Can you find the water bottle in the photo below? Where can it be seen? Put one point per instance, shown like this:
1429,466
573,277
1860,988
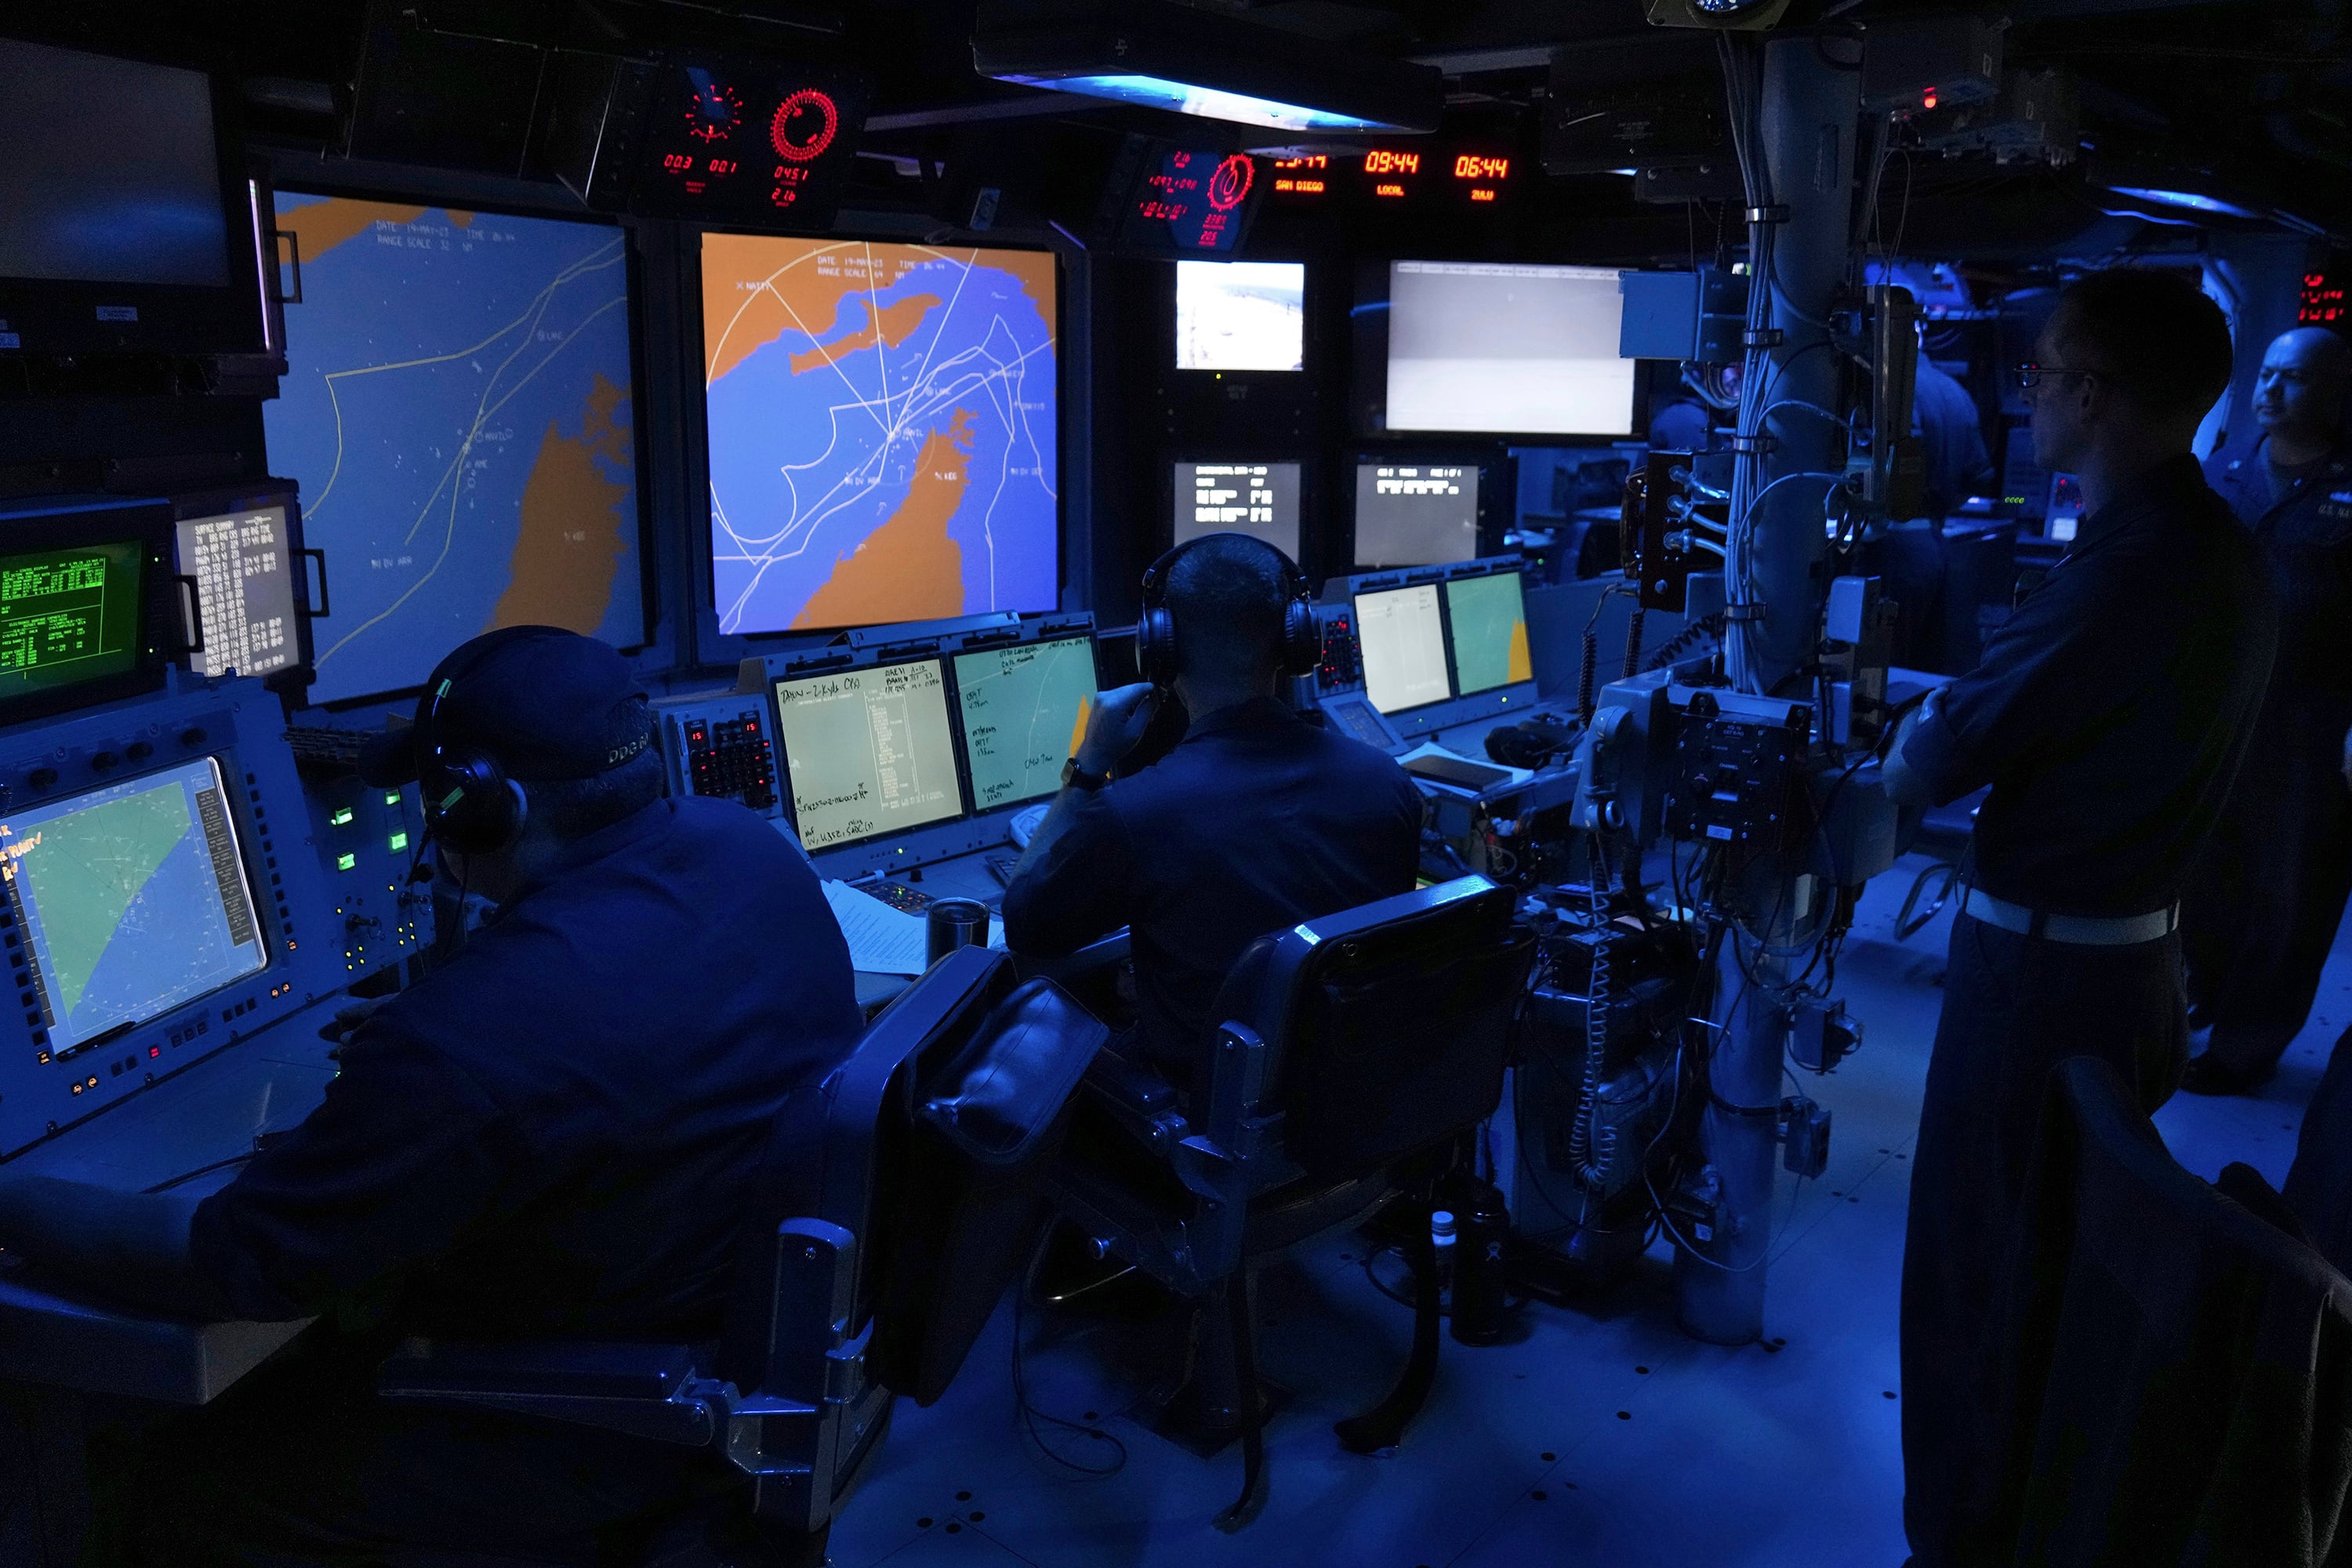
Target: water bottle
1482,1229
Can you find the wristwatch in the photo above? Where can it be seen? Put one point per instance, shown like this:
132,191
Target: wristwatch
1076,777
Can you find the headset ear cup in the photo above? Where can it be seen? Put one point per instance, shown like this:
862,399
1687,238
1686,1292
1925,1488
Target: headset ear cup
1155,646
488,814
1302,641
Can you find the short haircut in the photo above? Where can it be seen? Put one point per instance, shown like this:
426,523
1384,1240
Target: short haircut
2154,333
572,809
1226,594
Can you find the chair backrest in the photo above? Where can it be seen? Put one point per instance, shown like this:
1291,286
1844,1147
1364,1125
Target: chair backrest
1390,1022
925,1147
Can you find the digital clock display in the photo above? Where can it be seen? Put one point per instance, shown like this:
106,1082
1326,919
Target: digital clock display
1447,176
750,141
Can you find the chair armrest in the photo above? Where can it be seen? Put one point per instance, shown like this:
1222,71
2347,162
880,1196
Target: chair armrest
1139,1098
653,1391
1100,953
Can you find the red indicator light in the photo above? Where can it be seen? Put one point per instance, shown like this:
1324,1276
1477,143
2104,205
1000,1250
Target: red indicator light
1929,101
1231,182
804,125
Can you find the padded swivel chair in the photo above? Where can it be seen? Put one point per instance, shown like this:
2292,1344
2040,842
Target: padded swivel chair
1354,1054
923,1153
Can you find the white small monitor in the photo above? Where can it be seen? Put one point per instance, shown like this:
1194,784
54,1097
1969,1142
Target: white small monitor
1506,347
1260,500
1241,315
869,752
244,564
1415,514
1403,643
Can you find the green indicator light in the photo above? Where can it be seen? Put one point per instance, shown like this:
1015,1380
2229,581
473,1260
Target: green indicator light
399,842
345,862
342,817
391,797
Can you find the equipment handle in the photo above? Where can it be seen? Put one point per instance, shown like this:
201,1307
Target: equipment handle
195,606
293,242
318,611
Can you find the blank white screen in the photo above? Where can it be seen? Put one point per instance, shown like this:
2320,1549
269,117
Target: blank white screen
1404,647
1241,315
1506,347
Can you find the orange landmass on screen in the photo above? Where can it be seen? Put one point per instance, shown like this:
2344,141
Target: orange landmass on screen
575,523
895,324
908,569
321,227
1522,668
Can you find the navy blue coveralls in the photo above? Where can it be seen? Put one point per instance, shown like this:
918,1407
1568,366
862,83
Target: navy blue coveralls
2108,715
554,1135
2262,913
1257,821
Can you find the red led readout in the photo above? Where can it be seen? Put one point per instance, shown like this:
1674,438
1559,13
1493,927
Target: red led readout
1476,166
1385,161
2322,302
804,125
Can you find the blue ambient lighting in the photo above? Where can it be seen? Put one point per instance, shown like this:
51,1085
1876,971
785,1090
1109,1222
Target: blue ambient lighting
2188,199
1209,102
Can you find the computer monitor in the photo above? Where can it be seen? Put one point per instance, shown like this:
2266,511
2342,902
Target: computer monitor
133,899
1241,315
1025,709
882,431
1403,643
244,563
1486,622
1260,500
460,416
1509,348
1415,514
869,752
73,624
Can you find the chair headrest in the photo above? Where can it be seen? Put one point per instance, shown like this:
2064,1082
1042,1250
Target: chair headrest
1007,1086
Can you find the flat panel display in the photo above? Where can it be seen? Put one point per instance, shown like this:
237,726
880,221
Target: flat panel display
1024,710
1403,643
1179,198
1506,347
458,415
1241,315
244,563
134,900
869,752
112,173
1260,500
883,437
69,616
1415,514
1488,618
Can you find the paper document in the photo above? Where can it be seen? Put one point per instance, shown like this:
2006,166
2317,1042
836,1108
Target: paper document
882,940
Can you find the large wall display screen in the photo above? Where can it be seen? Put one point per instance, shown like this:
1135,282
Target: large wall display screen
1506,347
882,431
459,416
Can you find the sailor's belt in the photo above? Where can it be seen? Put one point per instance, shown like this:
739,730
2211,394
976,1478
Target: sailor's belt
2079,930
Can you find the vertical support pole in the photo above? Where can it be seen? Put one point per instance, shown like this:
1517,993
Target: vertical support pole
1809,112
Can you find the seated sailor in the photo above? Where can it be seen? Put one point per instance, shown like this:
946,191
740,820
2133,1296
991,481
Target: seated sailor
556,1134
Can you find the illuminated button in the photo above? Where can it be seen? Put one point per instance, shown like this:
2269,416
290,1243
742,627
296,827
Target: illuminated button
342,816
397,842
345,862
391,797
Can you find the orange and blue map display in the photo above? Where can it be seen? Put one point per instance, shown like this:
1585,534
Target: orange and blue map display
882,433
459,415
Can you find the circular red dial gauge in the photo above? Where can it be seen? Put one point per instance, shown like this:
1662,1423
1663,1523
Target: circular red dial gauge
714,113
1231,183
804,125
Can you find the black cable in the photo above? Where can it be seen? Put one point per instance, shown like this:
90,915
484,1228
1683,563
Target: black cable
185,1177
1030,1415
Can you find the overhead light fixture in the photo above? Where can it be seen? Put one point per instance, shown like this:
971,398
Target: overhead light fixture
1159,55
2191,200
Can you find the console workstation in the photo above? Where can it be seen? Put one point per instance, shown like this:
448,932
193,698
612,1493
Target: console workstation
1167,781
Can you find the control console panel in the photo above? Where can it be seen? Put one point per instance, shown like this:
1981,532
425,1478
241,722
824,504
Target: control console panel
720,746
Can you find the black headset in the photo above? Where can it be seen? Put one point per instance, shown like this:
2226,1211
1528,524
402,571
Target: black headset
470,804
1155,632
